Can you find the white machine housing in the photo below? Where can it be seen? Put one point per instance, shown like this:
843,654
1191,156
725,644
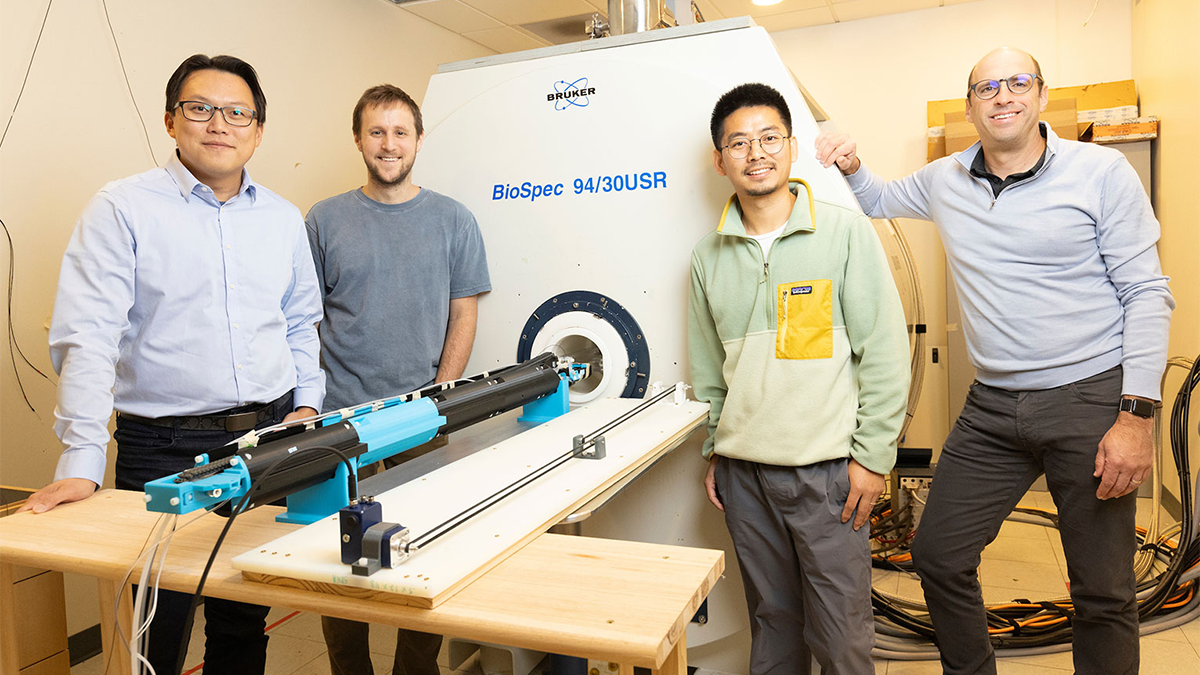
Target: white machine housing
589,166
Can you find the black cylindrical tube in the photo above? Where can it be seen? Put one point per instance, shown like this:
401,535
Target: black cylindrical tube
515,386
306,469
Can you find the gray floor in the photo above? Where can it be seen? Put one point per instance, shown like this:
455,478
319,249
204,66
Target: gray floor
1024,560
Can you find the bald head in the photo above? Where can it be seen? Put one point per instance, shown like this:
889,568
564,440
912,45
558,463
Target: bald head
1007,55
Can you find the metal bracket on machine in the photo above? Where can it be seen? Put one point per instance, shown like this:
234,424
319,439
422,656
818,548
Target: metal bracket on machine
594,449
383,545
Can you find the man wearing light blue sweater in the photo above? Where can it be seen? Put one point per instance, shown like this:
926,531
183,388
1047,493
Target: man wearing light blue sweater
1051,245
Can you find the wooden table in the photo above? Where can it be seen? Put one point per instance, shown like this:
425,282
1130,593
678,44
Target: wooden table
624,602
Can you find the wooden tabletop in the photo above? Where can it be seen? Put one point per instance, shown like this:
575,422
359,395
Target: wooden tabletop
622,601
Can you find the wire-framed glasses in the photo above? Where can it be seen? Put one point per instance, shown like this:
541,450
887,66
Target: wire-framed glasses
198,111
770,143
1017,84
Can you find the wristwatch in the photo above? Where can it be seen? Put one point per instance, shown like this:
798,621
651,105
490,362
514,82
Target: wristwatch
1137,407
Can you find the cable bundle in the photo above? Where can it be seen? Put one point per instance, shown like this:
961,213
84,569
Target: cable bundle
1167,566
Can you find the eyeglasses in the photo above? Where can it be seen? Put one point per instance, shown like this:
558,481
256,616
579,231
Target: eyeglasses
198,111
770,144
1017,84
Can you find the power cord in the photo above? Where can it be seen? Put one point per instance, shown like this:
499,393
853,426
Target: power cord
14,348
245,504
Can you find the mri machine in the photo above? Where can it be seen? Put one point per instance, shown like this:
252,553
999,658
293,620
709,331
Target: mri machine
589,169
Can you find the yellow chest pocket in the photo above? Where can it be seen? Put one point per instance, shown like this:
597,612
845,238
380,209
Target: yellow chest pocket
804,310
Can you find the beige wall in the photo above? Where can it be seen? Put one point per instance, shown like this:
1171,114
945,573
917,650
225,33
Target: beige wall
1166,65
76,129
874,77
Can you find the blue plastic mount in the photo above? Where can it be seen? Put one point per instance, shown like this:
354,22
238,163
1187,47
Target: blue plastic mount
549,406
386,432
166,496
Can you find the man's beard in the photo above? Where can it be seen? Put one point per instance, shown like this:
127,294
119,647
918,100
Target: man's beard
386,183
762,192
765,190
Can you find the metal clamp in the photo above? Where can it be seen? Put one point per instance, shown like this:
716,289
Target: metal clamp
382,546
594,449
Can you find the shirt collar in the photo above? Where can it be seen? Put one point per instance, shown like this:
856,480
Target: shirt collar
967,157
190,186
804,214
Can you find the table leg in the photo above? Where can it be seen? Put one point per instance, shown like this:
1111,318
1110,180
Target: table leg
8,623
113,595
624,669
676,663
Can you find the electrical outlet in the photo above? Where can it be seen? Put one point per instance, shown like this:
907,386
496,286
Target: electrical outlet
916,482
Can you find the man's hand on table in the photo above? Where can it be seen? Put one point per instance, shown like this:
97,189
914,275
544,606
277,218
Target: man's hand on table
59,492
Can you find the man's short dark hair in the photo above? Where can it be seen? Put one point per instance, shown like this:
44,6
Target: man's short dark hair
229,64
750,95
385,94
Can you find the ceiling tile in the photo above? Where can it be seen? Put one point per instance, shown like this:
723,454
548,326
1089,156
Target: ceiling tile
514,12
505,39
748,8
560,31
790,20
852,10
453,15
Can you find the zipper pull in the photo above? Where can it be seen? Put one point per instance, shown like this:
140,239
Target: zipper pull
766,272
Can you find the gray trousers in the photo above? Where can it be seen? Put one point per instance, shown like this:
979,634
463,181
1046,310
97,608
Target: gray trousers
807,574
1003,440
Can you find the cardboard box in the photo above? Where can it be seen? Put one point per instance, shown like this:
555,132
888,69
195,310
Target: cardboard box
1117,114
1140,129
935,143
1060,115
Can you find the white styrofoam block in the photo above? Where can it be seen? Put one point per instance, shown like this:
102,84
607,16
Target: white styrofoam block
313,552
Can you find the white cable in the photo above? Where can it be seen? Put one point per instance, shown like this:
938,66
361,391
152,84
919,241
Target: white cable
136,630
129,571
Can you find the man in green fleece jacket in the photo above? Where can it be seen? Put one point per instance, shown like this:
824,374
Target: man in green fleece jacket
797,340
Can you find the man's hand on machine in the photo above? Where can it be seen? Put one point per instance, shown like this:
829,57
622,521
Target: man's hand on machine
839,149
710,482
59,492
865,488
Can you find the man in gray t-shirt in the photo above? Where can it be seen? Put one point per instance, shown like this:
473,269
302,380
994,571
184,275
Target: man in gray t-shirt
400,269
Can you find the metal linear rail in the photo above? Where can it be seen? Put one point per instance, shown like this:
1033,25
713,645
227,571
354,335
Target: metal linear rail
580,449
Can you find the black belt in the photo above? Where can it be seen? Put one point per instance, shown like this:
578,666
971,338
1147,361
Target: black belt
241,418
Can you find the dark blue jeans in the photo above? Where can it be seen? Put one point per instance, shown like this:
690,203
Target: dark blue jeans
236,641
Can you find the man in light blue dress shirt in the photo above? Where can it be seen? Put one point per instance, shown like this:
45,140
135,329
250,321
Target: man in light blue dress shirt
188,303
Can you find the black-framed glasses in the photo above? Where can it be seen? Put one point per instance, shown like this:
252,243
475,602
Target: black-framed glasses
1017,84
199,111
770,143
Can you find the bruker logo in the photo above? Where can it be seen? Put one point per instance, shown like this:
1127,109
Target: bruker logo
568,94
